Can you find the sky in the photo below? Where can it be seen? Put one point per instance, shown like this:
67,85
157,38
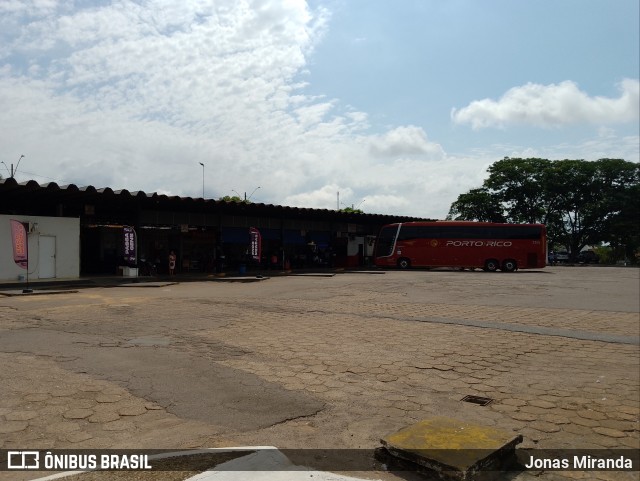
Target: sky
397,106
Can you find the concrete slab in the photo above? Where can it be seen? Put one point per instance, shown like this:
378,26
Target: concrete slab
239,279
210,278
313,274
452,448
363,272
148,284
35,292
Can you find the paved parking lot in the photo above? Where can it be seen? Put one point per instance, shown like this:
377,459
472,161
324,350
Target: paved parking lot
326,362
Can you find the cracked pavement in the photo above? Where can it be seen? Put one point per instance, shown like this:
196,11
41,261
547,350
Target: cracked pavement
326,362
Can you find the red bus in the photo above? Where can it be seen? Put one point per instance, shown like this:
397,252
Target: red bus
483,245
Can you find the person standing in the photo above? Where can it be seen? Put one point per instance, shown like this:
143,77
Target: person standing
172,263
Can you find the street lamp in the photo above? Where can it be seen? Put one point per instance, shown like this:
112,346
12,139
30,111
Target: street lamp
202,178
254,191
353,206
238,194
245,194
12,172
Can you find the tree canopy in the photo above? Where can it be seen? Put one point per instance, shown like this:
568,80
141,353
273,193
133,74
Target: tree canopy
351,210
581,202
234,198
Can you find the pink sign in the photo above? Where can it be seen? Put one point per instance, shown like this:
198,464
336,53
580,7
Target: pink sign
20,246
256,243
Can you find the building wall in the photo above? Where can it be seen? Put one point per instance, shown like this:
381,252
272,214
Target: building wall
60,234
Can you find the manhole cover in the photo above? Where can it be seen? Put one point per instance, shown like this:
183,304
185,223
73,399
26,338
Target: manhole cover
482,401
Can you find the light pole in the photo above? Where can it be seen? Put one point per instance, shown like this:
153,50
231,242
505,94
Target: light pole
12,172
254,191
202,178
353,206
245,194
239,196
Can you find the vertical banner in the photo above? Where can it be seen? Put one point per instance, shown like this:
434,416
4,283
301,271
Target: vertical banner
129,244
20,246
256,244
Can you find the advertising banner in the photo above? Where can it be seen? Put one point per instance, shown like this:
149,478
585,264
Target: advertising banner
20,245
256,243
129,244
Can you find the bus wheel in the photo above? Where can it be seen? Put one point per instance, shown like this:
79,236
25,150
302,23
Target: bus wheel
491,265
404,263
509,265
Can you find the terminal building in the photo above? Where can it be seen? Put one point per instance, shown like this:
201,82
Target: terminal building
78,231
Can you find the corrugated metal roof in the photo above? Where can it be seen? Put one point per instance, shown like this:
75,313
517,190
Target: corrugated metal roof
10,185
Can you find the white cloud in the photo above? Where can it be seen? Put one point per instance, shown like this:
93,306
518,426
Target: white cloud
404,141
28,7
217,76
551,106
386,203
326,197
313,114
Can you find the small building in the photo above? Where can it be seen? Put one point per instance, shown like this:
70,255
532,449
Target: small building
206,235
53,247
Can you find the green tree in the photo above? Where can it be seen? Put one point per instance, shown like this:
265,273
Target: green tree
234,198
478,204
581,202
518,185
622,226
351,210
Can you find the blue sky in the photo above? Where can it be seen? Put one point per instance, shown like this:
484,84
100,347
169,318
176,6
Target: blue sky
415,63
399,106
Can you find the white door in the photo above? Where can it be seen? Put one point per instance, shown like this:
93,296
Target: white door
47,257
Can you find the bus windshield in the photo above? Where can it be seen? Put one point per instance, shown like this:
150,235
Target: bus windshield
385,241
